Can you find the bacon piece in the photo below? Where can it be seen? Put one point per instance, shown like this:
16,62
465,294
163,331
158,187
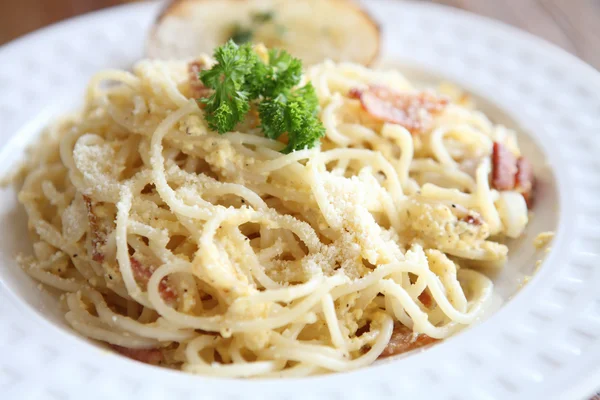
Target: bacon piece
98,237
411,110
425,298
510,173
504,167
148,356
403,339
198,89
355,93
472,219
142,274
525,180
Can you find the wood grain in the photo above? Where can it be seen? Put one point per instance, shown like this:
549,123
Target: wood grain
572,24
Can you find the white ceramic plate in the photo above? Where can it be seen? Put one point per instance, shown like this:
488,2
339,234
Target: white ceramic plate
543,343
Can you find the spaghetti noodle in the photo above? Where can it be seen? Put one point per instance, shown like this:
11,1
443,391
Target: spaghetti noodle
219,255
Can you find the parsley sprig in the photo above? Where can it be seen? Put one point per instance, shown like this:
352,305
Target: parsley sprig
240,78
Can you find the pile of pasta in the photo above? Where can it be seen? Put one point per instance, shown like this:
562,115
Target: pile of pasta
219,255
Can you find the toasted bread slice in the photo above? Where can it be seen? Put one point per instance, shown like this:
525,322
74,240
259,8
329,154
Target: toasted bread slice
313,30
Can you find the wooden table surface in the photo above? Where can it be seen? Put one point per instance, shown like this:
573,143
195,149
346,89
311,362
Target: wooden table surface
572,24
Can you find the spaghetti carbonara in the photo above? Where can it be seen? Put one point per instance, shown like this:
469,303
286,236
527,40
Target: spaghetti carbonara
219,255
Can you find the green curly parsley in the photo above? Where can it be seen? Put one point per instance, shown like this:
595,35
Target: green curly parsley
240,78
